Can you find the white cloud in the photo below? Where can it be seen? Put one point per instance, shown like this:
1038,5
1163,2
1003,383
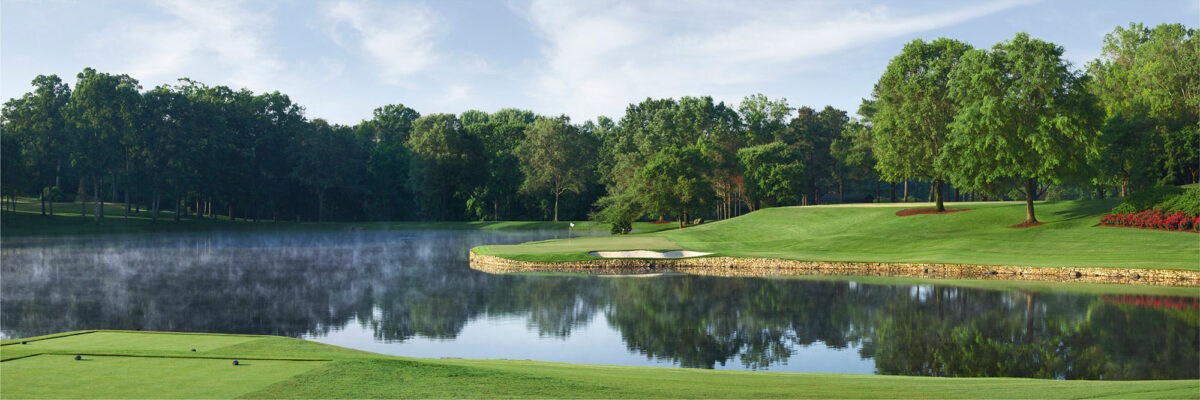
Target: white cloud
400,38
457,95
601,55
195,36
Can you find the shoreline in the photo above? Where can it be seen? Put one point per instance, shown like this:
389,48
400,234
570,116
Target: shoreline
766,267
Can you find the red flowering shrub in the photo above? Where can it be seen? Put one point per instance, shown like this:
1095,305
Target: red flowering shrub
1176,221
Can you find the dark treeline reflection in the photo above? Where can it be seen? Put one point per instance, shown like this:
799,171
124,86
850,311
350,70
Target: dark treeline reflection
403,284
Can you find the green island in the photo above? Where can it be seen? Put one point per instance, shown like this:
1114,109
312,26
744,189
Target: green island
130,364
874,233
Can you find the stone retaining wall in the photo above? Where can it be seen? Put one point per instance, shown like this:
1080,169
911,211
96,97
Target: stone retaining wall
736,266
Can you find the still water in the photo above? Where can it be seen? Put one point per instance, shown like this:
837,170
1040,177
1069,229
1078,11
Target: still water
411,293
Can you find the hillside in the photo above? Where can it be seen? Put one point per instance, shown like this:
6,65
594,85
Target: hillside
874,233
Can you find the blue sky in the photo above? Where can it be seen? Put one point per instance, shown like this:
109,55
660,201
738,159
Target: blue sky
343,58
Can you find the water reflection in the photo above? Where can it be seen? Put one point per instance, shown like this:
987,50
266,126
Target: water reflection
405,289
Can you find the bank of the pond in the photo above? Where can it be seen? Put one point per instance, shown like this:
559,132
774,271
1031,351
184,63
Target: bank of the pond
873,240
124,364
761,267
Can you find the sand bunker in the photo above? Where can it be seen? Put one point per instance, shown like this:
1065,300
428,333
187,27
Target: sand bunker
648,254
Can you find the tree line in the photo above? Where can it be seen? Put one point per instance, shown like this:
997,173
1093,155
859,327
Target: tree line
1015,120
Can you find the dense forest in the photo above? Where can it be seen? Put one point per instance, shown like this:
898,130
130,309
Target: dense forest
945,122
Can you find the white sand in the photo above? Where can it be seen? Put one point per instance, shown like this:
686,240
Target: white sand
647,254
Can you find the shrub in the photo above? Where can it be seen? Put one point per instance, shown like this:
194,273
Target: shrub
1187,202
1146,199
1175,221
1167,199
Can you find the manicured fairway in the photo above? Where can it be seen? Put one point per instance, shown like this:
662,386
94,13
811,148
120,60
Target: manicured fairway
271,368
875,234
60,376
119,341
27,220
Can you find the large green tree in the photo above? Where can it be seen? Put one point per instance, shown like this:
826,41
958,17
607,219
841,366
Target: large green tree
495,195
1153,74
764,119
1026,118
446,163
774,174
675,181
913,111
328,157
812,133
38,122
103,108
556,157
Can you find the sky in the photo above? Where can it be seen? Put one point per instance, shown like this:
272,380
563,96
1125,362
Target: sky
341,59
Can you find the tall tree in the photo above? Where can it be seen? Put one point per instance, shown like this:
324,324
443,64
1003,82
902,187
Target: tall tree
854,152
472,117
1154,74
389,124
496,193
38,121
555,157
675,181
103,108
327,157
774,174
1026,117
12,166
764,119
445,164
913,110
812,133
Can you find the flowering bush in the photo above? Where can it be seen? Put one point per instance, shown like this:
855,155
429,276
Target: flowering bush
1175,221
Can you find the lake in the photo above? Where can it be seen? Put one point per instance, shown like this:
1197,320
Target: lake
411,293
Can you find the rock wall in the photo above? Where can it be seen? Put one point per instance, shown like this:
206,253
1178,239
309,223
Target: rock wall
736,266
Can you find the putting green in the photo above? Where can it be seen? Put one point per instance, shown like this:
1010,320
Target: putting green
105,342
61,376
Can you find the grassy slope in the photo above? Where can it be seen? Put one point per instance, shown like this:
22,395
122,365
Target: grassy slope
876,234
27,220
266,371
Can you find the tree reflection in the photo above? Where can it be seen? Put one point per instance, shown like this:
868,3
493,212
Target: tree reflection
406,284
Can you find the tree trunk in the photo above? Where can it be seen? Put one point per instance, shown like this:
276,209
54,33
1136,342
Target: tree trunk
95,200
905,190
126,216
1100,192
154,207
52,200
938,187
114,188
556,194
893,191
42,199
321,206
1030,193
841,192
177,201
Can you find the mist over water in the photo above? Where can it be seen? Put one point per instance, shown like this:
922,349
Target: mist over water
412,293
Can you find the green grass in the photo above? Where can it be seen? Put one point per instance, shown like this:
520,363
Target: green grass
60,376
67,220
876,234
272,367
